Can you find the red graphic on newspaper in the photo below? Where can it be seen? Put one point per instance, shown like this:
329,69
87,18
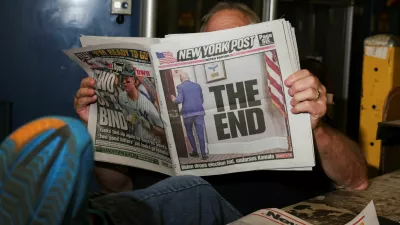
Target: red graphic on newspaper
166,57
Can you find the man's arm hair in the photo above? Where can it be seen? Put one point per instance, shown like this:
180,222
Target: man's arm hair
341,158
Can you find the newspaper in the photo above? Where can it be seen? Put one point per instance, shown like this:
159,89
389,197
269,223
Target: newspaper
200,104
293,46
276,216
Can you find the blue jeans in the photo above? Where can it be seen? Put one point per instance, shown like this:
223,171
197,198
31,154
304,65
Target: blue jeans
198,121
177,200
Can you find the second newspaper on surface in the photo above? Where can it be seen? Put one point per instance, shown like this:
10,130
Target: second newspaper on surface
201,104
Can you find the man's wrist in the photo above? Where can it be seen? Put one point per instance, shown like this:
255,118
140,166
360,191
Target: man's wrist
318,129
321,137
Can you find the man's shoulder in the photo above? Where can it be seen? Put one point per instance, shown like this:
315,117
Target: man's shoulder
182,85
188,85
144,98
191,83
122,96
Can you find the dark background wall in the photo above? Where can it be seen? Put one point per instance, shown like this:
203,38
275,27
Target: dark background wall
36,76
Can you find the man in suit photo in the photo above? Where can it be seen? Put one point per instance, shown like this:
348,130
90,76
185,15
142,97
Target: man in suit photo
190,95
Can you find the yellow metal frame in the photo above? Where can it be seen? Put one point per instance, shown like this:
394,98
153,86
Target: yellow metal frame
381,72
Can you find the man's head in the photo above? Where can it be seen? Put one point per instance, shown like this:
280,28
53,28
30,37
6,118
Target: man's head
184,76
129,83
226,15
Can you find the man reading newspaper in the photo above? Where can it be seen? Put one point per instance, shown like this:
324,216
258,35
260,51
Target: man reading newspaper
340,159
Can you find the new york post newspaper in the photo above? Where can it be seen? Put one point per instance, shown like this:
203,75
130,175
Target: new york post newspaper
200,104
224,100
125,123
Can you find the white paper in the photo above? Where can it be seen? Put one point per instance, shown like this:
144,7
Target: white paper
271,40
366,217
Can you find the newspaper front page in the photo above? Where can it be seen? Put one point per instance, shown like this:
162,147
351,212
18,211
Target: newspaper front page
125,122
276,216
225,102
292,48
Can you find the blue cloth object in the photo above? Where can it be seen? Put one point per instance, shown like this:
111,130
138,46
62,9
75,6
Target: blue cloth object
190,96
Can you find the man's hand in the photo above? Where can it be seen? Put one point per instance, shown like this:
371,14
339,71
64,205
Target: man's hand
84,97
173,98
309,95
341,158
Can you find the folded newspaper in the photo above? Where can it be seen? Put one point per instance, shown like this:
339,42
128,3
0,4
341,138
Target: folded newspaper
200,104
276,216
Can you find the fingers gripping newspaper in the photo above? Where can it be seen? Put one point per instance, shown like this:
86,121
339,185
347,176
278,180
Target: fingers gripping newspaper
200,104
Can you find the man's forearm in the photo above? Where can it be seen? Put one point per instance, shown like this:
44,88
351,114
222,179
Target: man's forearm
341,158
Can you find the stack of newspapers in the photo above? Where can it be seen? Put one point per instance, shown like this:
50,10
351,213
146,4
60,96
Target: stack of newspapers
274,216
200,104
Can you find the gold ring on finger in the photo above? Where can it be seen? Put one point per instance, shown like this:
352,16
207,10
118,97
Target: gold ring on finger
318,95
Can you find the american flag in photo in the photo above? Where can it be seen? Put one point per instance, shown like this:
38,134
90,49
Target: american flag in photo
166,57
274,77
275,87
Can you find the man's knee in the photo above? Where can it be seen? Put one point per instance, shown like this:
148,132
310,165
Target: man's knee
113,178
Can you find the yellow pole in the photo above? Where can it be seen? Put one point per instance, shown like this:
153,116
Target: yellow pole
381,72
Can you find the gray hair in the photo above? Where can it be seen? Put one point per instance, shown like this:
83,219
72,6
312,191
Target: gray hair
184,76
243,8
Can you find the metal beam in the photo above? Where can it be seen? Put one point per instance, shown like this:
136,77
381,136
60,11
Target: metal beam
269,11
148,18
347,59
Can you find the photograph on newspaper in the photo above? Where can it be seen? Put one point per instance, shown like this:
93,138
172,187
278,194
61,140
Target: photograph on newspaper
217,109
227,104
125,124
